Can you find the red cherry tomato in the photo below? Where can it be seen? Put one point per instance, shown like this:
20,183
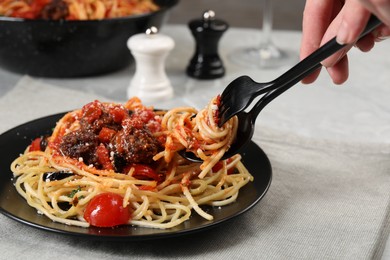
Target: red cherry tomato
103,157
106,134
106,210
118,113
35,145
143,172
92,111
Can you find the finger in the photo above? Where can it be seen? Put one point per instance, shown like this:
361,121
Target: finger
317,15
366,43
380,8
382,33
330,34
337,57
340,71
312,77
354,18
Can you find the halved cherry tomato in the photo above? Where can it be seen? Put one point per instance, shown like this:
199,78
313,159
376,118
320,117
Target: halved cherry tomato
106,134
144,172
35,145
106,210
92,111
103,157
118,113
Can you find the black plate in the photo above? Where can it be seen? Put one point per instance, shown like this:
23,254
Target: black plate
15,207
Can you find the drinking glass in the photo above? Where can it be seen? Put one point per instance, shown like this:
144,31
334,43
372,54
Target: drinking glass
266,54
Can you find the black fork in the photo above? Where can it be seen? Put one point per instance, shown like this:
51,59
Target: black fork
240,93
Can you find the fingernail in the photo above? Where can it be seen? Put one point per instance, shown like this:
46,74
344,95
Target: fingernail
343,34
382,38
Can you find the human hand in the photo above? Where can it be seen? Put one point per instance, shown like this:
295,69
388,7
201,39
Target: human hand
325,19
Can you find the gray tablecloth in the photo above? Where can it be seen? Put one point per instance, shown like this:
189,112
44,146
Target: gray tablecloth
327,200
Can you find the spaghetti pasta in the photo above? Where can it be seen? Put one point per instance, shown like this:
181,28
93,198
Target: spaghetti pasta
130,151
75,9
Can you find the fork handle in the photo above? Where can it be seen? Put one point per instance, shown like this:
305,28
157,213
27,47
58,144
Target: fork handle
306,67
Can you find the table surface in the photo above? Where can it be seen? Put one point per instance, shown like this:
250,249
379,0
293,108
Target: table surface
357,112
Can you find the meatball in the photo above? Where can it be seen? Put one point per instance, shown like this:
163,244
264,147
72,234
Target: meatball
80,144
135,145
55,10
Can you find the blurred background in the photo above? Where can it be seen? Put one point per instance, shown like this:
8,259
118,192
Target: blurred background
241,13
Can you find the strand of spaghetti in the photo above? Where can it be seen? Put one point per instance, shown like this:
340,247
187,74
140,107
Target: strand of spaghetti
157,195
200,185
171,172
141,209
221,203
218,141
171,189
178,129
7,7
113,9
204,183
173,223
162,216
207,128
224,172
126,198
191,200
175,216
24,189
97,10
195,205
208,164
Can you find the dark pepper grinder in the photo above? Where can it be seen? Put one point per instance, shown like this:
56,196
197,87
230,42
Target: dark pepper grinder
206,63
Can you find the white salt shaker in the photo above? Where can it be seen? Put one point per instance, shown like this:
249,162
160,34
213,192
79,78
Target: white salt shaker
150,82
